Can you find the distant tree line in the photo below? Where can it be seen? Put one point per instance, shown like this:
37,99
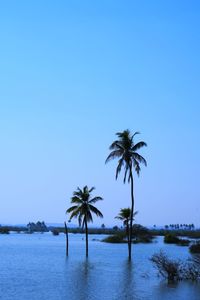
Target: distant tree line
180,226
37,227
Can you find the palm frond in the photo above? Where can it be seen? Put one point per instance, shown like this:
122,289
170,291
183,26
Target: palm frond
89,216
125,150
114,154
116,145
72,208
124,134
119,166
140,158
95,199
95,211
76,199
75,214
135,133
77,193
84,209
136,166
92,189
80,220
119,218
85,189
138,146
127,168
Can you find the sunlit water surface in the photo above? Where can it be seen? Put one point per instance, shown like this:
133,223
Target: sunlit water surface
35,267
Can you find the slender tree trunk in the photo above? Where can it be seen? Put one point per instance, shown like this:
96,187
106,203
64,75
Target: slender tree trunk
86,236
132,211
128,235
67,240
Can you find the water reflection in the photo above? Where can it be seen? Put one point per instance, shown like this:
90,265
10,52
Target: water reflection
79,281
126,286
38,270
179,290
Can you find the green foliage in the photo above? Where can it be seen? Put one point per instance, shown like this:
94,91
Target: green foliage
179,232
37,227
175,270
83,207
167,268
140,235
195,248
116,238
139,230
125,150
171,239
115,228
4,230
55,232
183,242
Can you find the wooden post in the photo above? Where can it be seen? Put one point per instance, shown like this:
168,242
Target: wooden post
67,240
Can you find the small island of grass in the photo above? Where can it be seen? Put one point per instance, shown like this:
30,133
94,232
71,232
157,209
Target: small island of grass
141,234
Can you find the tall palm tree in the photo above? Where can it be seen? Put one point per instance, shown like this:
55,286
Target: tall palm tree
125,150
125,216
84,208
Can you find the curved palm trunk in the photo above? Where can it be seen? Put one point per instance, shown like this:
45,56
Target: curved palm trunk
86,236
132,211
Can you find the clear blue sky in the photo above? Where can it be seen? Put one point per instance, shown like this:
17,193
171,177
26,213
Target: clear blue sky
73,73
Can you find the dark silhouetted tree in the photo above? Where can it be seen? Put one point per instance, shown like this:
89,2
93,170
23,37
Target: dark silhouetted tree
84,208
125,150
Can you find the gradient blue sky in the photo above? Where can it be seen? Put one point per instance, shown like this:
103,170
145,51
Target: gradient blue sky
73,73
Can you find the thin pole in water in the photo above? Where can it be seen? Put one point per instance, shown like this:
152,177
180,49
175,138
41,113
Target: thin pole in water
67,239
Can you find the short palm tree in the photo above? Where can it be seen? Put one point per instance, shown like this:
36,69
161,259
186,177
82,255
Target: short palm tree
125,216
84,208
125,150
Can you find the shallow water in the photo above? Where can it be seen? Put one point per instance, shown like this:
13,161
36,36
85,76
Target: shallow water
35,267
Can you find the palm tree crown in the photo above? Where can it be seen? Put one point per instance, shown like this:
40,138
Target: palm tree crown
125,150
125,215
84,207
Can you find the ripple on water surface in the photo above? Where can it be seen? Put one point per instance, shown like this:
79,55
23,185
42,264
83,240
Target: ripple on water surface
35,267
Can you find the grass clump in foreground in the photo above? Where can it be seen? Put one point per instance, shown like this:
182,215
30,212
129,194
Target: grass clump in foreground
195,248
176,270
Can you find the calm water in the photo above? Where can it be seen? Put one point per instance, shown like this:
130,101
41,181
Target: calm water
35,267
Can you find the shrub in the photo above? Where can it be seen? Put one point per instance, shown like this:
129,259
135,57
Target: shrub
141,234
196,260
183,242
195,248
4,230
167,268
175,270
55,232
116,238
139,230
190,271
171,239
